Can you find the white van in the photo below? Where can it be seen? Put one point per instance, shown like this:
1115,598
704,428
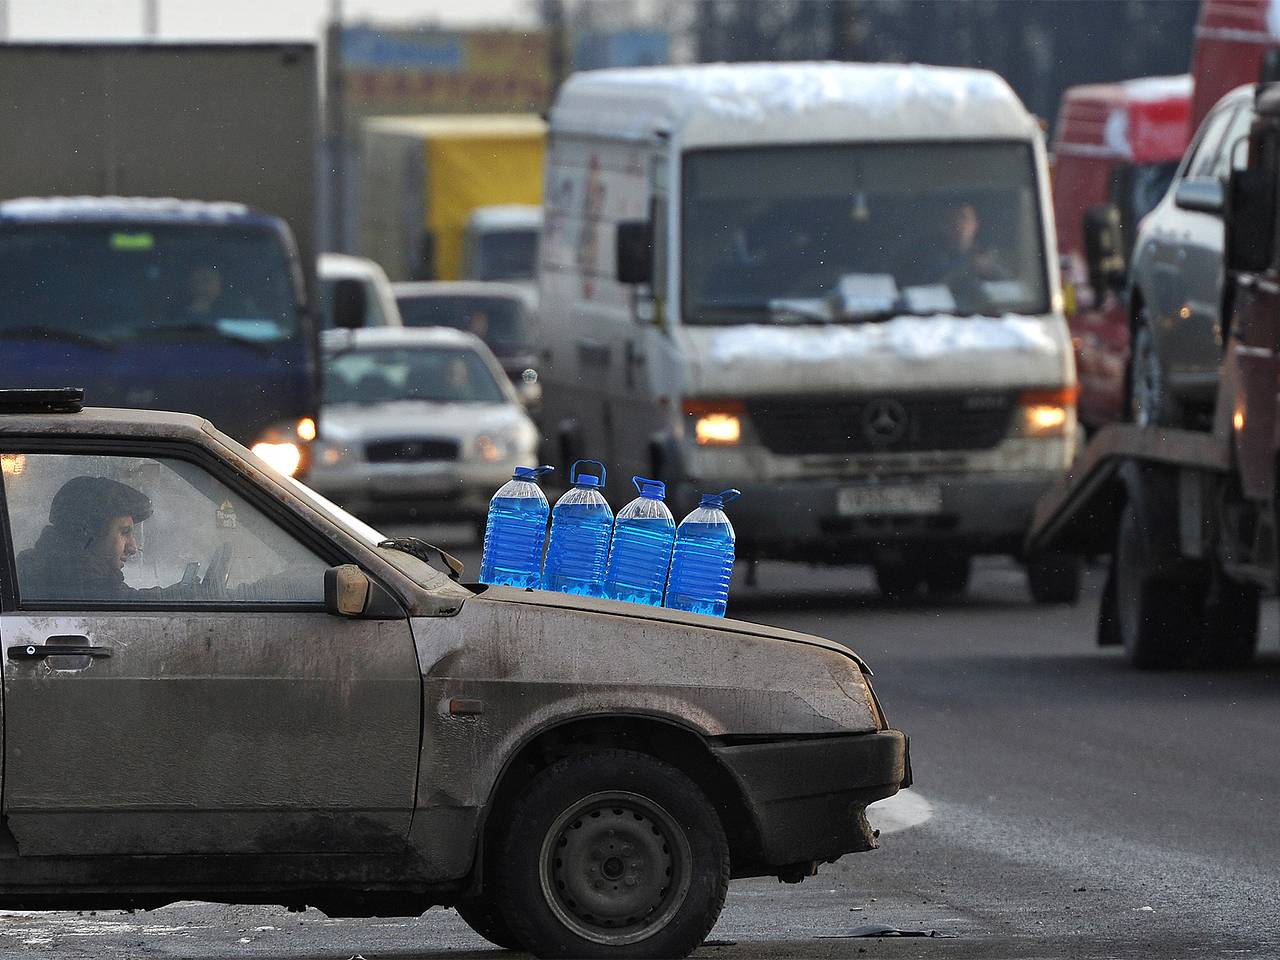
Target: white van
376,295
825,284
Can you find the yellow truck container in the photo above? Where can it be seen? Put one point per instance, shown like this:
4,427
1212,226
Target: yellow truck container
421,177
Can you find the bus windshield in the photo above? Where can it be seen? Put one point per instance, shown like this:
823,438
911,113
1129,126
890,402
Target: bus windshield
110,283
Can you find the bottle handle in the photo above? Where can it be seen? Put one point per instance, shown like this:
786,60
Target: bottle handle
641,482
728,496
574,471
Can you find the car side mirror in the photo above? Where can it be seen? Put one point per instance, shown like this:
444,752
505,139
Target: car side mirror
1103,247
346,590
634,245
1202,194
1250,220
349,305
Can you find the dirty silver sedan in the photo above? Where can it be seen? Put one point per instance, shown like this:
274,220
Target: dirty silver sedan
219,686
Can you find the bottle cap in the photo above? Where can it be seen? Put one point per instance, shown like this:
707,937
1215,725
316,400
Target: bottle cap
531,473
586,479
716,501
650,489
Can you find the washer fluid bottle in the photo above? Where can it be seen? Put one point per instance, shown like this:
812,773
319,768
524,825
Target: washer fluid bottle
702,560
643,536
515,531
581,523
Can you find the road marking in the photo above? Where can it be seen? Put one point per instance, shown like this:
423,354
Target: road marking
902,811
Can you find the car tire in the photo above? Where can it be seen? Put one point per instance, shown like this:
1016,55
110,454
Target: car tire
1230,636
1158,619
482,915
1150,402
948,577
898,581
564,887
1055,578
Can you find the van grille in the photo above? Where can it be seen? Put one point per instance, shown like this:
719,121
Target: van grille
411,450
816,425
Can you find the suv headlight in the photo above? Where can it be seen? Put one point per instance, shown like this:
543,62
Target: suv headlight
1048,413
715,423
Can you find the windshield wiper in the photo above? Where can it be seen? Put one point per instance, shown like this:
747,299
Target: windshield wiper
35,332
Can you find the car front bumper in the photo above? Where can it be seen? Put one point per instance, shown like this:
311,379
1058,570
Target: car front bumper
808,798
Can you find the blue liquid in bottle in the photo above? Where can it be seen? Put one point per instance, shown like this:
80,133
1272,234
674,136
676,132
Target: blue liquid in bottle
578,548
702,561
641,552
516,531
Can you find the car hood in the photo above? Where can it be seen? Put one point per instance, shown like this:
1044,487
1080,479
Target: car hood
637,611
343,423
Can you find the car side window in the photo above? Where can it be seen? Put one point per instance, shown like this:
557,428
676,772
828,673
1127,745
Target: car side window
1206,154
1232,155
127,530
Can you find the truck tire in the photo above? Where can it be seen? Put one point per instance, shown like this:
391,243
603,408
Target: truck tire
948,576
1158,619
1055,578
482,915
897,581
612,854
1150,402
1230,636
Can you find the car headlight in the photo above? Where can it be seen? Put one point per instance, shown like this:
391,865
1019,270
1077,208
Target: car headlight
328,454
715,423
491,449
1048,413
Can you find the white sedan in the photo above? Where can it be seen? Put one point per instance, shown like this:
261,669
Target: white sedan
417,423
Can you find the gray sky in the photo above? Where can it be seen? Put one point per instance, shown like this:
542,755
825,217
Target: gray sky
239,19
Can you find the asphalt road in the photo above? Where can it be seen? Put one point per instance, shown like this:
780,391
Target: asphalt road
1065,806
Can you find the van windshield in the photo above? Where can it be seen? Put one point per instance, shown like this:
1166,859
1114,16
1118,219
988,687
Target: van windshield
861,231
111,283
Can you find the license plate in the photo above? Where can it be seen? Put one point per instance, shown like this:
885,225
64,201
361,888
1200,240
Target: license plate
873,501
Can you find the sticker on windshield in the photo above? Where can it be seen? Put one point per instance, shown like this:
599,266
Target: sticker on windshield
862,293
929,298
132,241
225,518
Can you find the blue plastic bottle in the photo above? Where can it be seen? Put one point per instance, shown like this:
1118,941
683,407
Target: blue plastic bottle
515,531
641,552
702,561
581,523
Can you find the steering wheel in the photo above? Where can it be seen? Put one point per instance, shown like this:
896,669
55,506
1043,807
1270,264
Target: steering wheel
217,571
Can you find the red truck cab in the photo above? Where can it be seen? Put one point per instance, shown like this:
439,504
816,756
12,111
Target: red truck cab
1231,38
1115,144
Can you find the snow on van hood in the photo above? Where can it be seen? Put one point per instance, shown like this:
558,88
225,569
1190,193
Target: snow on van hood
908,352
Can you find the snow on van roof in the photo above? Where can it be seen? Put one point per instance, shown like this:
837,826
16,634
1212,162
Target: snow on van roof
853,101
1148,89
160,209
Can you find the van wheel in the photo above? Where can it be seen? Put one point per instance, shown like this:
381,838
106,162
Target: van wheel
612,854
483,916
897,581
948,577
1055,578
1150,403
1159,620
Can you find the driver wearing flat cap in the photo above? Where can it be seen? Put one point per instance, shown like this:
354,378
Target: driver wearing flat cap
91,534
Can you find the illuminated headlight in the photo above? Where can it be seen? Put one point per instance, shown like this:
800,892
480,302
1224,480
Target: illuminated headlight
13,464
491,449
715,423
1048,413
328,454
284,457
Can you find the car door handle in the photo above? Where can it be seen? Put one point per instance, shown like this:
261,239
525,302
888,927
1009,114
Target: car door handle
59,647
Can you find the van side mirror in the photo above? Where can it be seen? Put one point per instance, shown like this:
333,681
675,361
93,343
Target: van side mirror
1202,194
635,251
1250,226
349,305
346,590
1103,248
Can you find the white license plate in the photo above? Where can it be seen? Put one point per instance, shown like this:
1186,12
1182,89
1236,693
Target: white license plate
876,501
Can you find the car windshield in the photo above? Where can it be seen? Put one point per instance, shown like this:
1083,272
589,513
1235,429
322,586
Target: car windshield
508,255
498,321
388,374
110,283
861,231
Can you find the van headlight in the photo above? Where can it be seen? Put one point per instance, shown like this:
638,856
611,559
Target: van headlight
1048,413
284,446
715,423
282,456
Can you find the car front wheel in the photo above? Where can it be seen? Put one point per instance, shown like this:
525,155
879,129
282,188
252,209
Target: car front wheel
612,854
